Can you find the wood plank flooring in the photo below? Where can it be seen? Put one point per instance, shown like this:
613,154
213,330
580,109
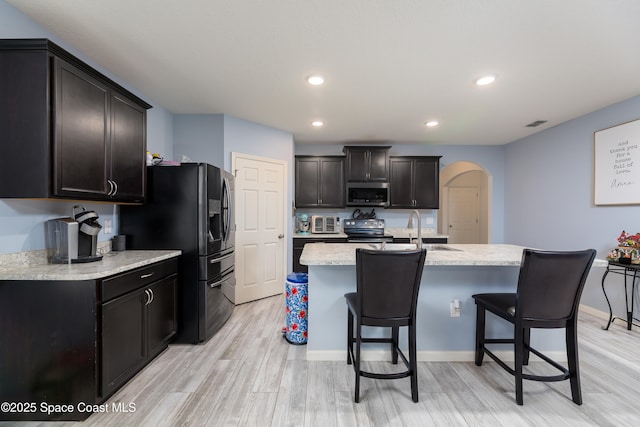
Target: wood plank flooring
247,375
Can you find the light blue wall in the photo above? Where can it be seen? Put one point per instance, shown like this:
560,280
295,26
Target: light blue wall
22,221
549,192
247,137
199,137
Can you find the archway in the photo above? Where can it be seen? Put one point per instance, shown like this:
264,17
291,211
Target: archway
458,182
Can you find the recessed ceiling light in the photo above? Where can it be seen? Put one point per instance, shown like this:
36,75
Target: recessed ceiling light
485,80
317,123
431,123
315,80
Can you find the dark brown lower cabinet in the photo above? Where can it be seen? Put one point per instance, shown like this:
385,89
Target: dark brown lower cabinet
66,346
135,328
298,247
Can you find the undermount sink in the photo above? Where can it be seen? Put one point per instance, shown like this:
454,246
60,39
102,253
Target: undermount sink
409,247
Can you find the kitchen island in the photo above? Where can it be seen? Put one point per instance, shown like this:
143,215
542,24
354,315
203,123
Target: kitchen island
451,272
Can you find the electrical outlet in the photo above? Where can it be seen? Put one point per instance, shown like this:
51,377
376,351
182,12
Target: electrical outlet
108,228
454,308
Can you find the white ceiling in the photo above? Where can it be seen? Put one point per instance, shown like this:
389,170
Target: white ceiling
390,65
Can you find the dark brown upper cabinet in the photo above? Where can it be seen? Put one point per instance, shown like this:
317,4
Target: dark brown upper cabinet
69,131
366,164
414,182
319,182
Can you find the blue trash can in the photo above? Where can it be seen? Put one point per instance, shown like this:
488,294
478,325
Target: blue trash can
297,298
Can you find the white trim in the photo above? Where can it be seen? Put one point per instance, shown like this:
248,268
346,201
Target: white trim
593,311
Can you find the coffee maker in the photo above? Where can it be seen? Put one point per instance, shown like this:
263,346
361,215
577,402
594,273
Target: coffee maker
74,240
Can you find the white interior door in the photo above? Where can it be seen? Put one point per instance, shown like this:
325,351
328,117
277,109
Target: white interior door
260,186
464,226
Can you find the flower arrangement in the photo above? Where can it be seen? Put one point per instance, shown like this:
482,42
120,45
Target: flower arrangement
628,241
628,250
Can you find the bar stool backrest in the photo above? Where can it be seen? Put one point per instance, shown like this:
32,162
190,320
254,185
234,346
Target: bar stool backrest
550,284
388,282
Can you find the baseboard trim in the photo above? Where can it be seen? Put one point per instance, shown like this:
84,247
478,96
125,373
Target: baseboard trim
594,312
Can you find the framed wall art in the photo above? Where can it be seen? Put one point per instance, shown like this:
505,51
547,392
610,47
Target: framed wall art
617,165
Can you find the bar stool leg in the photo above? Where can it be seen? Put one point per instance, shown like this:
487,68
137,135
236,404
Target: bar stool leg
480,319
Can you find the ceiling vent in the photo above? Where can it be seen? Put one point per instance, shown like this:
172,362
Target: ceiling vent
536,123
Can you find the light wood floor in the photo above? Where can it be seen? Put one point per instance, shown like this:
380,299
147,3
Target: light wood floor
247,375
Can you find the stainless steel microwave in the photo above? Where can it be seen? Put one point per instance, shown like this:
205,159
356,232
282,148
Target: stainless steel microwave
368,194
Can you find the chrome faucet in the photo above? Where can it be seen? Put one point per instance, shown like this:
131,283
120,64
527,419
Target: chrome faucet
410,225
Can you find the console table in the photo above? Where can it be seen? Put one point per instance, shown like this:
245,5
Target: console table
629,271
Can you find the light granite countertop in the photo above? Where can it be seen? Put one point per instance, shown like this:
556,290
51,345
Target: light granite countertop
112,263
461,255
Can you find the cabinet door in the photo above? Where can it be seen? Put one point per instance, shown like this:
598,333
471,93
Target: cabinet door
332,183
162,322
307,182
127,149
357,166
81,132
123,349
379,164
401,194
427,183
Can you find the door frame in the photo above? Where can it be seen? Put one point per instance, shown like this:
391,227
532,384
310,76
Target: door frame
447,178
285,201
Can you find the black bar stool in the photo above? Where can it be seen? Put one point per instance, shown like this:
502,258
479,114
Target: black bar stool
549,288
387,296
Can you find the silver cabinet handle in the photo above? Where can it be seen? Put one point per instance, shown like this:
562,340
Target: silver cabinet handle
115,189
110,187
150,296
144,276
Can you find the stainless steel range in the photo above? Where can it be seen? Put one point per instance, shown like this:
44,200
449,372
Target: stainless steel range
365,230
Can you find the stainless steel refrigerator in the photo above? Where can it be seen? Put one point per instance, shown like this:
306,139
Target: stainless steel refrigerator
190,207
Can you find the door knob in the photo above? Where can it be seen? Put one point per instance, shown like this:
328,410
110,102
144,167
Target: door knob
450,226
280,236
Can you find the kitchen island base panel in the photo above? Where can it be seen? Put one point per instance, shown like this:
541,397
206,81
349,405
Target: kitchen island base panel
438,334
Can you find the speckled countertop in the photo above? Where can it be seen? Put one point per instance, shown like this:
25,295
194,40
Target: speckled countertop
112,263
464,255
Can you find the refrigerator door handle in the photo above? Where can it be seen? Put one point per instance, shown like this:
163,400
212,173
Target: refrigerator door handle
213,261
227,221
221,281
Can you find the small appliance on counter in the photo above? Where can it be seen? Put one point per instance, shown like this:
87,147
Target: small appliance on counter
325,224
74,240
303,224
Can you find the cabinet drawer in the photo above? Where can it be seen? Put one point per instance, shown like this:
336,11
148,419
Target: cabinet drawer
134,279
